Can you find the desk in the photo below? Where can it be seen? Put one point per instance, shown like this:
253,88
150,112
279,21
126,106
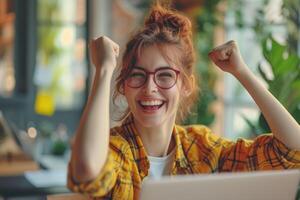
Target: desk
16,163
17,186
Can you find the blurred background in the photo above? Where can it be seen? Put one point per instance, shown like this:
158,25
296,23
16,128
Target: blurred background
45,72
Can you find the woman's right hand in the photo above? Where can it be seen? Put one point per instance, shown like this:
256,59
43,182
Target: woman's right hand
104,52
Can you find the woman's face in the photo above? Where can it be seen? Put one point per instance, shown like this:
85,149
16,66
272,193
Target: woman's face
151,105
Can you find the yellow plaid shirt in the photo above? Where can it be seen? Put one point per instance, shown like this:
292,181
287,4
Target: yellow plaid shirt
197,151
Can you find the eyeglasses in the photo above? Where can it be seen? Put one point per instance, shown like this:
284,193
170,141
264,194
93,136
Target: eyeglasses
164,77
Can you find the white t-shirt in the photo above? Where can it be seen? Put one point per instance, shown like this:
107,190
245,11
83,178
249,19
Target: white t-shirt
160,166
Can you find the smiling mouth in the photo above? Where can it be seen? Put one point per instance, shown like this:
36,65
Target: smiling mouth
151,105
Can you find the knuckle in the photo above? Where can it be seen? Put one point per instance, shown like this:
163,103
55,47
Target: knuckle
102,39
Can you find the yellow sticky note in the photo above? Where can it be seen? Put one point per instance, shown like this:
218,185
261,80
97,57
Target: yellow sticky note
44,103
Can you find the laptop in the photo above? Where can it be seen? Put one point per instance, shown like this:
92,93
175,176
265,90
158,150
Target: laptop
20,141
259,185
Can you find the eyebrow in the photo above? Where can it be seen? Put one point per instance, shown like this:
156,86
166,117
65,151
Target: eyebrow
160,67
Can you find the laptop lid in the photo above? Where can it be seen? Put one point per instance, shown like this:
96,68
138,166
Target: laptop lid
259,185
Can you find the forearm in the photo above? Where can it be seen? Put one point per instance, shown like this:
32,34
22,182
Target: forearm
92,137
280,121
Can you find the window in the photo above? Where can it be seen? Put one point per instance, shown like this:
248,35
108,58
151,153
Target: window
238,103
46,57
61,68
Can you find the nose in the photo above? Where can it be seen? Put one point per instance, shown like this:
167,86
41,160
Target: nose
150,86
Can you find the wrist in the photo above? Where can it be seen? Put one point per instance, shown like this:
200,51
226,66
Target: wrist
105,69
103,77
241,71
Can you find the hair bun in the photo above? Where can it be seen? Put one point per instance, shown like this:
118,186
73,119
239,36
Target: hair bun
168,19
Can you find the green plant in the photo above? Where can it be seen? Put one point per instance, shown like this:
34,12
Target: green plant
206,21
59,147
283,59
285,85
290,11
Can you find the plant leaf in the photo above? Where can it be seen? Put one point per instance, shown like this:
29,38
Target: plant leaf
263,74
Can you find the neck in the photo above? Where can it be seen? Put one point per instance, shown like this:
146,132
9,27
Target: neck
157,140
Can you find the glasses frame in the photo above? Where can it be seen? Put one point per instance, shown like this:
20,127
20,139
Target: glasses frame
148,73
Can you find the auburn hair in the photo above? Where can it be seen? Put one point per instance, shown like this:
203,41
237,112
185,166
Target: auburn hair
171,32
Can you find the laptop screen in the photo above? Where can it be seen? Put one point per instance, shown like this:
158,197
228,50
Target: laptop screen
259,185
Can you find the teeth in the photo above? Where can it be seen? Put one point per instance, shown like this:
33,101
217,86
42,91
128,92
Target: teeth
151,103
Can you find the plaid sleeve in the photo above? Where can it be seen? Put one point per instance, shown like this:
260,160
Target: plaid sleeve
263,153
99,186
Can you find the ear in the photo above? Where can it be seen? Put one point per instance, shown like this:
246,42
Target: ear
188,88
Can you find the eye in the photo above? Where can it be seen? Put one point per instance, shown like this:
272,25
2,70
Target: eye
165,74
137,75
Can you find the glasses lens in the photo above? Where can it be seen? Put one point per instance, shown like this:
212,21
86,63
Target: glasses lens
165,78
136,78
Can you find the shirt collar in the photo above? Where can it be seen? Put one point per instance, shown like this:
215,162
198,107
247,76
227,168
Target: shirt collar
139,151
180,157
136,145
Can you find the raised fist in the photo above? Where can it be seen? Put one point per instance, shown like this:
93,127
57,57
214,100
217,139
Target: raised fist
104,52
227,57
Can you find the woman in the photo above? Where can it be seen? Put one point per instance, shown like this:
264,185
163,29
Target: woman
157,80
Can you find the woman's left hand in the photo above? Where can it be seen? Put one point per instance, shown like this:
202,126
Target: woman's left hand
228,58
